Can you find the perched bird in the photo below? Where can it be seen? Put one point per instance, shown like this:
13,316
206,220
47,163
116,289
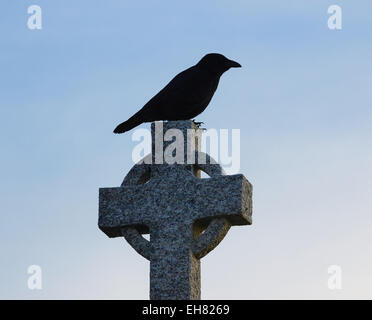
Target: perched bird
186,95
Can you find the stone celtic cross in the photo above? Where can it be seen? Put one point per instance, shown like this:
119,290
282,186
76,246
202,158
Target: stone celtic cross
185,215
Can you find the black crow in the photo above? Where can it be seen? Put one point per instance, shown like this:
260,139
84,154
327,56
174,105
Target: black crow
186,96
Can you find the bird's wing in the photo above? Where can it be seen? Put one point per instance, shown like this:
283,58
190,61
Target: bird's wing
186,90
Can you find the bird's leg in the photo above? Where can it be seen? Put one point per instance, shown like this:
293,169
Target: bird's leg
198,123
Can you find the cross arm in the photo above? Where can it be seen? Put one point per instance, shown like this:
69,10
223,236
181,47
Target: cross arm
223,196
198,200
117,209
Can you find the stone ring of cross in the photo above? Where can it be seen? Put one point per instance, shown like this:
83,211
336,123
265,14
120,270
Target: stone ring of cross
207,233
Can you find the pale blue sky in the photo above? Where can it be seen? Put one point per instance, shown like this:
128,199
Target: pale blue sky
302,101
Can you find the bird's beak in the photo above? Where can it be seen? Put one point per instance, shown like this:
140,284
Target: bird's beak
234,64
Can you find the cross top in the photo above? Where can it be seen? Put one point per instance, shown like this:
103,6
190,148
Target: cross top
186,216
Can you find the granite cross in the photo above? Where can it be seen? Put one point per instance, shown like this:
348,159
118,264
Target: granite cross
185,215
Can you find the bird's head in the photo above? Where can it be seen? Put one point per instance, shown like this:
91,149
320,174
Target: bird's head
217,63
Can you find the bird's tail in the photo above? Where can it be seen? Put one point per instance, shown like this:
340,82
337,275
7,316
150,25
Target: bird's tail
132,122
